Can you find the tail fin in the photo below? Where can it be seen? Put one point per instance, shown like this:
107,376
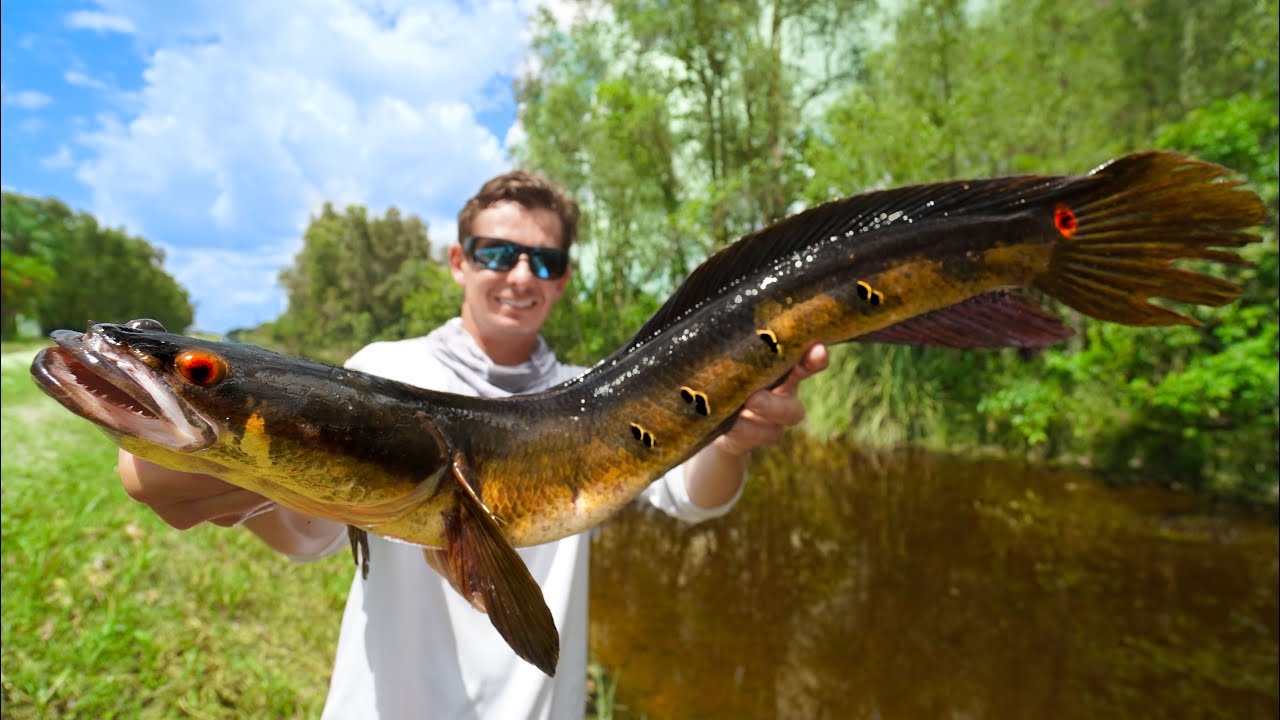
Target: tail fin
1126,225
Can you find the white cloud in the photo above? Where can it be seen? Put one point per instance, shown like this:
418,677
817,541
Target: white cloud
251,115
100,22
59,160
27,99
79,79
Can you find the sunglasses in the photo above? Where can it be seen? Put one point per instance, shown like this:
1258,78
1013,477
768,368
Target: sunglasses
502,255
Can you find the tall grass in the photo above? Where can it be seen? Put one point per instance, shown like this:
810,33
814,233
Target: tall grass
108,612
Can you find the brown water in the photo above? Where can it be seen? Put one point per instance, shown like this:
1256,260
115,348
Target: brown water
849,584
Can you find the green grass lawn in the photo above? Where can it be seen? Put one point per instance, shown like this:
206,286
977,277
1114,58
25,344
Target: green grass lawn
109,612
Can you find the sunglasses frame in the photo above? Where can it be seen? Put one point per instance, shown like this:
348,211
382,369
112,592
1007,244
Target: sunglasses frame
541,259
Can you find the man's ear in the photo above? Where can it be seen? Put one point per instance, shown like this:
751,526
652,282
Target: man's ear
455,263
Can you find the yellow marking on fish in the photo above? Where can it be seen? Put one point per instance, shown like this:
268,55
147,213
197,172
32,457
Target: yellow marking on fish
696,398
869,294
644,436
255,442
770,339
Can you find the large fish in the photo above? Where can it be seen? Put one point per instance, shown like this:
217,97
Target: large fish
468,479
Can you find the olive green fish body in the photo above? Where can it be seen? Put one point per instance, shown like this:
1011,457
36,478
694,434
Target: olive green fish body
470,478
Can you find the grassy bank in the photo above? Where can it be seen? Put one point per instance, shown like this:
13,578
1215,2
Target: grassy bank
108,612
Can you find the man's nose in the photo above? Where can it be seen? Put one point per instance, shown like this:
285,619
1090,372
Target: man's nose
522,271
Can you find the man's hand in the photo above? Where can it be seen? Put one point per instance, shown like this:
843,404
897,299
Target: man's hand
767,412
713,476
187,499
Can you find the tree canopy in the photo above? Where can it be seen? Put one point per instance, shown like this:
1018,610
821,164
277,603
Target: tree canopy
357,279
62,269
684,125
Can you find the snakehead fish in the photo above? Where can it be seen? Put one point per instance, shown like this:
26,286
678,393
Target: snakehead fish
468,478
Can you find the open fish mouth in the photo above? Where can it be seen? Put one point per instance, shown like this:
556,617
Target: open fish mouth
104,381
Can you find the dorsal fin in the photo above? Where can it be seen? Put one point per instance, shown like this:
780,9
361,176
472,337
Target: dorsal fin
858,214
995,320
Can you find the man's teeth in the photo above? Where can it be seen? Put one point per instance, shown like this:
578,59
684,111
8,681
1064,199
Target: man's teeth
522,304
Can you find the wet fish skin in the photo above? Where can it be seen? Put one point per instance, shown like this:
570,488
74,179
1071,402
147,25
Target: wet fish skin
470,478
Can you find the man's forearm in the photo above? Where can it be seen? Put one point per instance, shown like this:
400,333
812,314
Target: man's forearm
299,536
714,476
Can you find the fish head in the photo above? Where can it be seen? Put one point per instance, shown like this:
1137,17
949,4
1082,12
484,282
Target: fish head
137,380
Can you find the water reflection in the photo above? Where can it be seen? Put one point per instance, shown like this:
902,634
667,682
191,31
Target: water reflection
906,585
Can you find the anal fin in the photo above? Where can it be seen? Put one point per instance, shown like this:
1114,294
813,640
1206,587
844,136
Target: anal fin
484,568
993,320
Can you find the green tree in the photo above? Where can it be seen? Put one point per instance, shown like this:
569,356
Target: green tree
63,268
678,128
434,300
349,283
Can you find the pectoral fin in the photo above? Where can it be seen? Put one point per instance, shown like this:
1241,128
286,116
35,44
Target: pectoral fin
484,568
359,549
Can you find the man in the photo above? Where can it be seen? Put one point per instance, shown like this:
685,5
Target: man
410,646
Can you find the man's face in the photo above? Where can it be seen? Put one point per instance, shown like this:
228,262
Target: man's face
512,304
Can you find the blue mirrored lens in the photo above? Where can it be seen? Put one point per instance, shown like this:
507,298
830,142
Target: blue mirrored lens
543,266
497,257
502,255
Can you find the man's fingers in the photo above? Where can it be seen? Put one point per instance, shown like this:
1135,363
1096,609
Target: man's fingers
773,407
782,405
232,508
814,360
184,500
226,509
749,431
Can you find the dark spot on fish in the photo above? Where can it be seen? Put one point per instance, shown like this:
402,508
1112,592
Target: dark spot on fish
644,436
698,399
868,294
771,340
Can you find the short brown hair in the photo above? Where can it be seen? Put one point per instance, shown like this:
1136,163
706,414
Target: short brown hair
530,190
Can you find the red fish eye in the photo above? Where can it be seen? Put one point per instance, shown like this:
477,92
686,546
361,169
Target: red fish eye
1065,220
201,368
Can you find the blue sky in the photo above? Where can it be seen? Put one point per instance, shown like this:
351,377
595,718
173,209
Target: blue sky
216,129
